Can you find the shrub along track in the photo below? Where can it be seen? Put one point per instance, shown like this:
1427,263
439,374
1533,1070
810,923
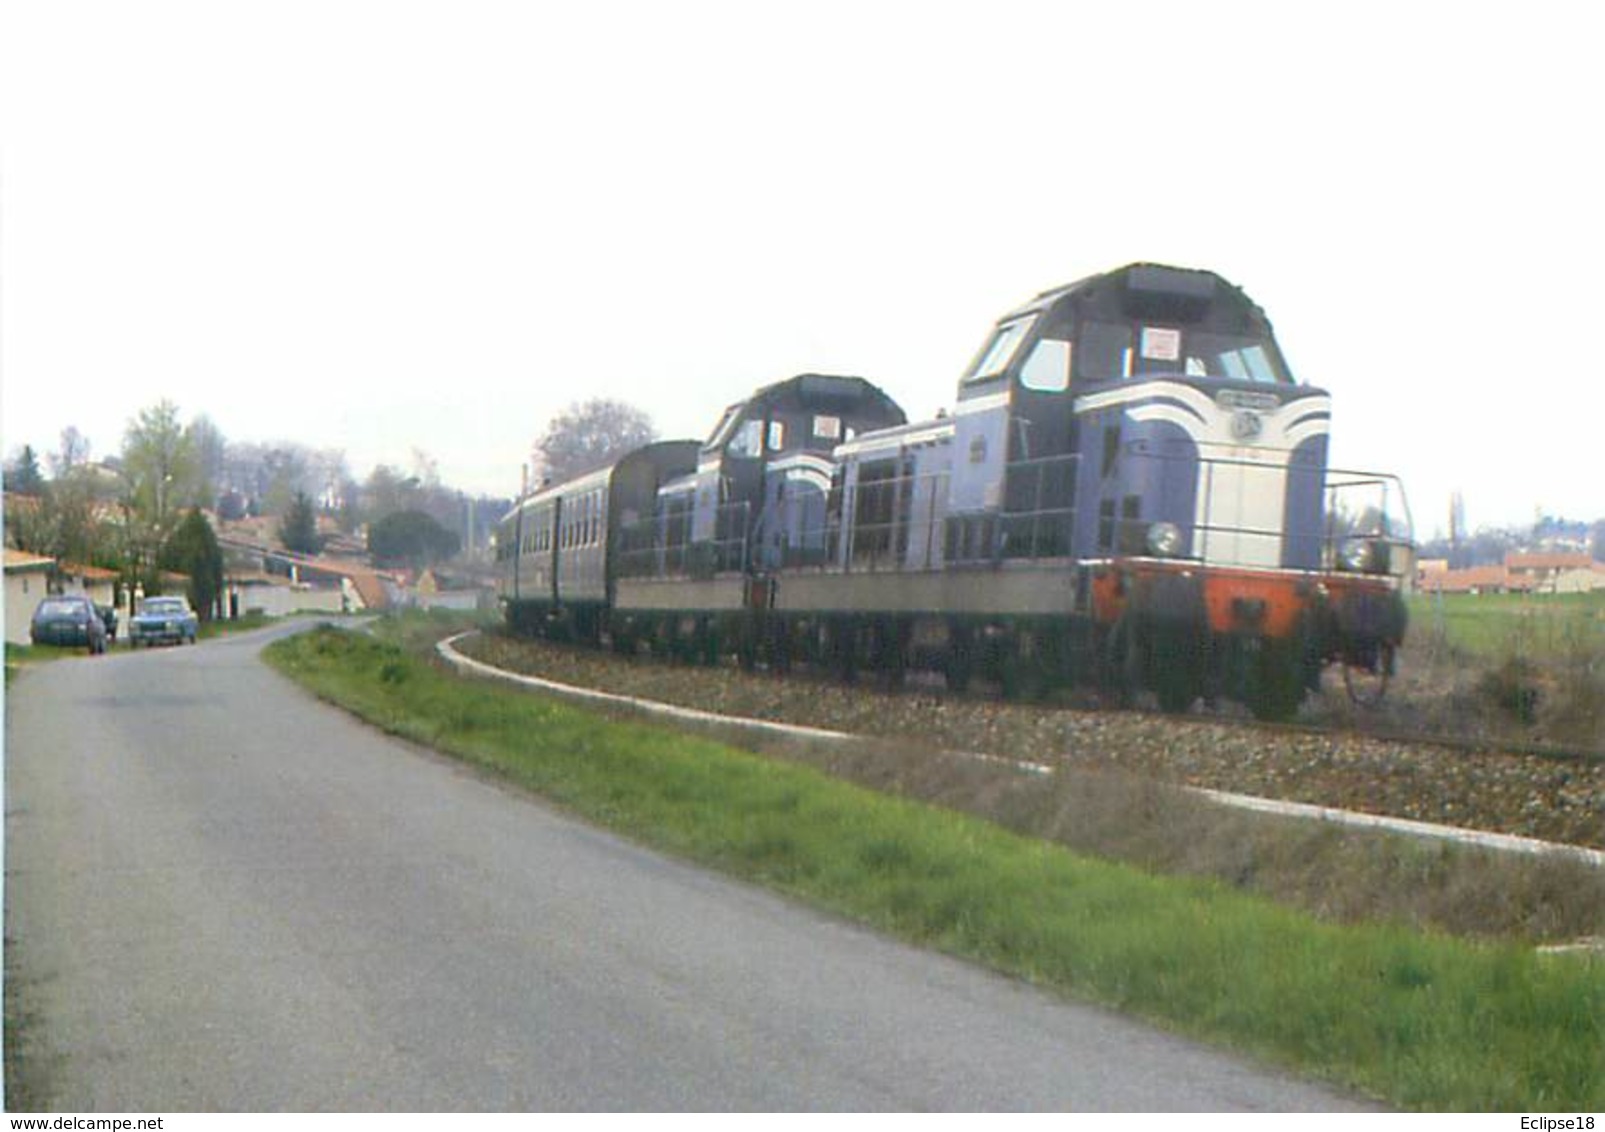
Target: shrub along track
1527,794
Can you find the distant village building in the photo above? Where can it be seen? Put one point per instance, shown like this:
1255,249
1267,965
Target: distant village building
1545,572
1557,572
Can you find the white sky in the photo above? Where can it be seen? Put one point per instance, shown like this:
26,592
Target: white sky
391,226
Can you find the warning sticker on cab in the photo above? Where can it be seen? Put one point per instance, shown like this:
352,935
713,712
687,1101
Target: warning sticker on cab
1161,344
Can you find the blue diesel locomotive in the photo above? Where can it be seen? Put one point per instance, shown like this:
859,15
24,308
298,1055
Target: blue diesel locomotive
1131,491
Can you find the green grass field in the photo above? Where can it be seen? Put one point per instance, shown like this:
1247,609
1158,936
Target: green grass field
1421,1021
1494,626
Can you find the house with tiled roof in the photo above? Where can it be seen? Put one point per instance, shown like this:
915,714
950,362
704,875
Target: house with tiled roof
94,582
1548,572
27,580
1557,571
1473,580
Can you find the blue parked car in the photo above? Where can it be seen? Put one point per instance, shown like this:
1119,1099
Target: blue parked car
163,619
69,620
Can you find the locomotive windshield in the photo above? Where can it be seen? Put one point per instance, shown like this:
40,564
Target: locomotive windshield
1000,349
1109,351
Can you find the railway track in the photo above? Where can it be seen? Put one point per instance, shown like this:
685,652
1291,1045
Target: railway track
1531,790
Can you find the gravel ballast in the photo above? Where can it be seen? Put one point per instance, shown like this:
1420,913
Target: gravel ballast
1529,795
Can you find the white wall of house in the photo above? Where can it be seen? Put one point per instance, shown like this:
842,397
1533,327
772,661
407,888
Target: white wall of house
99,592
280,601
24,590
1575,582
466,600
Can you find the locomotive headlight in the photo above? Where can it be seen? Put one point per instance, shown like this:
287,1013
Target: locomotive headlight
1164,540
1357,555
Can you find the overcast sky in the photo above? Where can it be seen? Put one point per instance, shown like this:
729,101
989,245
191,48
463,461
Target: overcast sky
391,226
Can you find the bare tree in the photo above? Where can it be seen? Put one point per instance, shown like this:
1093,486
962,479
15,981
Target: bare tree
211,452
587,435
74,450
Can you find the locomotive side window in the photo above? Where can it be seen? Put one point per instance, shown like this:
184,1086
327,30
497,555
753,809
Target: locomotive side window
1001,349
777,435
827,428
1105,351
1047,370
749,440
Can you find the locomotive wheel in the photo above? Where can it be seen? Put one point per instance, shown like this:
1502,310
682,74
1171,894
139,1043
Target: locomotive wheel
1176,690
844,649
1173,667
1276,681
957,664
1120,673
708,645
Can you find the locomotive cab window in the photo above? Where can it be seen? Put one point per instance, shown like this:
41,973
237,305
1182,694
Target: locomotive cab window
748,440
1047,369
777,435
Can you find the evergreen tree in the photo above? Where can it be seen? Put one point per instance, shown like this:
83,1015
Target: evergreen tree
410,538
299,528
24,476
192,549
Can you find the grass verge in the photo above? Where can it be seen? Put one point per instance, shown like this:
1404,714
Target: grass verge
19,657
211,629
1420,1020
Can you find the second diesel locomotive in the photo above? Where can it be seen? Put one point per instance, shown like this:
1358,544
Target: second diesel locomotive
1131,491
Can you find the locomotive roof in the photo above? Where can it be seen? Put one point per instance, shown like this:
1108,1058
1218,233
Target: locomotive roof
821,392
1154,290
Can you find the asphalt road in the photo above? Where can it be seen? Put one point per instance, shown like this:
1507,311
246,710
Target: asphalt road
221,894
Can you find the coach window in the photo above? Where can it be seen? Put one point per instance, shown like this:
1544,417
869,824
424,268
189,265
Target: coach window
1047,370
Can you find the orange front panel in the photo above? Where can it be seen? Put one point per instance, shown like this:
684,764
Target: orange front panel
1264,604
1261,603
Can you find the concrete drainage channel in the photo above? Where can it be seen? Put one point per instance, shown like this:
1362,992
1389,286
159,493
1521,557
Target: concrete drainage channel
1502,842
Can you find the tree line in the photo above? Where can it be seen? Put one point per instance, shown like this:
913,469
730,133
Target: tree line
139,510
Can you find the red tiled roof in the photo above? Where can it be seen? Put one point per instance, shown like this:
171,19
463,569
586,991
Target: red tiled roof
1548,560
370,588
19,560
1474,578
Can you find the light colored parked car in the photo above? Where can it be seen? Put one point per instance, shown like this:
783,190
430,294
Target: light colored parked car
163,619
